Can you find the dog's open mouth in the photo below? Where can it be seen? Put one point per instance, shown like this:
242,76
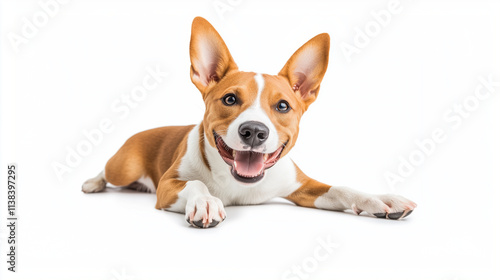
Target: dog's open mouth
247,166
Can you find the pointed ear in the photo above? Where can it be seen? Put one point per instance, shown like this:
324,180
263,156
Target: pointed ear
210,58
307,66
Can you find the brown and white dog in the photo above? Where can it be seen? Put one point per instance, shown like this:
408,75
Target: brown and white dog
237,155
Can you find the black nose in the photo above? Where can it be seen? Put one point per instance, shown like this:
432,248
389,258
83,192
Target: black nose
253,133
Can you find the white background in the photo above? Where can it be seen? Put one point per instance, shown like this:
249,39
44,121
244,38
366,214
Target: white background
369,113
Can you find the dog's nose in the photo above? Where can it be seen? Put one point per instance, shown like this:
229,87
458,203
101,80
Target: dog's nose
253,133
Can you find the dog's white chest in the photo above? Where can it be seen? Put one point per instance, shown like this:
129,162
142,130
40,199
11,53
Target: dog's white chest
278,181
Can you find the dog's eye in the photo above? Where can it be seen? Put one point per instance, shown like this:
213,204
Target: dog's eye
283,106
229,99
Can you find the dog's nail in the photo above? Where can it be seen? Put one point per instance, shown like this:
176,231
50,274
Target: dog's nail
213,224
395,216
380,215
408,212
198,223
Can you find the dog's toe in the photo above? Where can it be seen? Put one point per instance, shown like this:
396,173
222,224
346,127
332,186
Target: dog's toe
205,212
393,207
93,186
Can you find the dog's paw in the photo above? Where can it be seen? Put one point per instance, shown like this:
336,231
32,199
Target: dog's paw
205,211
94,185
388,206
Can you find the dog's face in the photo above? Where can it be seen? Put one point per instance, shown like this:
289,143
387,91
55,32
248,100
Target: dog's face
253,119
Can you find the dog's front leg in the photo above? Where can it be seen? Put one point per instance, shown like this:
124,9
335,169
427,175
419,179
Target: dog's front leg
192,198
314,194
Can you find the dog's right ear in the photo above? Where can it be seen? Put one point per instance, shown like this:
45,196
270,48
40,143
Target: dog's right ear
210,58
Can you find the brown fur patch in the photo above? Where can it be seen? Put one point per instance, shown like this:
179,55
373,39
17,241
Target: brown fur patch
276,89
308,192
218,116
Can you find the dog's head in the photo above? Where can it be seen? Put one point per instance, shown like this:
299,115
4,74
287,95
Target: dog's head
253,119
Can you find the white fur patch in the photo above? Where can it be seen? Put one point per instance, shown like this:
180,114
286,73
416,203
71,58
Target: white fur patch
147,183
192,166
192,189
260,87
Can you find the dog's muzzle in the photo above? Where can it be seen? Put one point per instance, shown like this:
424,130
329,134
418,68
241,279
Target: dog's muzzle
247,166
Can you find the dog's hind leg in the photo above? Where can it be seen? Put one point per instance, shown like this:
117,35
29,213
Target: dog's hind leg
96,184
121,170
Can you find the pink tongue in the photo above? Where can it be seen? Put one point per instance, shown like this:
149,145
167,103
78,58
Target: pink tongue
248,164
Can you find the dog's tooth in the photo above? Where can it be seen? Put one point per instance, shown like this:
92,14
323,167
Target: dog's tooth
266,156
234,153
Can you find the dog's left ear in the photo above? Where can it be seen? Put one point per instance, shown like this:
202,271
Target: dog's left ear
210,57
307,66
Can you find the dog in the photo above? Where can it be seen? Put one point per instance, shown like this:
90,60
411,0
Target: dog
238,153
